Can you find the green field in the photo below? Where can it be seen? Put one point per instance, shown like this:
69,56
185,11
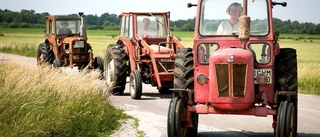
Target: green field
23,41
37,104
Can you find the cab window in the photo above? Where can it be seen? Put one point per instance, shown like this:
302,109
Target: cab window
204,50
261,52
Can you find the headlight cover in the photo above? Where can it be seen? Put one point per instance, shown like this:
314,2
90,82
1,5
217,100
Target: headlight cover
79,44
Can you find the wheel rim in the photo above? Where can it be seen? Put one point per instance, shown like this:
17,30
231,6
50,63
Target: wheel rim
109,72
291,121
132,85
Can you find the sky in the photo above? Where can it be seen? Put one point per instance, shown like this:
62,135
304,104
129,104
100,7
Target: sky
296,10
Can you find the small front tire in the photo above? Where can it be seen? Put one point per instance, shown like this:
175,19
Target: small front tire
57,63
135,85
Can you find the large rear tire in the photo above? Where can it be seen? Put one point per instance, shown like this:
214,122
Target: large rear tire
115,69
286,70
183,79
44,54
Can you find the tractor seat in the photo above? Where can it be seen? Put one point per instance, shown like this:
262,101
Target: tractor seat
160,49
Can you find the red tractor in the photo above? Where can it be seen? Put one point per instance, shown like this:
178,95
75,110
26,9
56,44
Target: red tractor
145,51
236,69
66,45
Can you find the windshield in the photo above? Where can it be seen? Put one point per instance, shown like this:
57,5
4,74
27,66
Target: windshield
68,27
152,26
221,17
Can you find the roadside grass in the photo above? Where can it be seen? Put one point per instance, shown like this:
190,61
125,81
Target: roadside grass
307,51
49,102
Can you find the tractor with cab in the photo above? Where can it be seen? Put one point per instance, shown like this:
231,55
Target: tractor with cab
240,72
145,51
66,43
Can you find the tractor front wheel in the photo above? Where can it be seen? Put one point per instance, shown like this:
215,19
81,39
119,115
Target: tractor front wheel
57,63
286,121
135,84
98,63
177,118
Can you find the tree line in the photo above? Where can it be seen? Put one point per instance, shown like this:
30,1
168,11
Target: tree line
31,19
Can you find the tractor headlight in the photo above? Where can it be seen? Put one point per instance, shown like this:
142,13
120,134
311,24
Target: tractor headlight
201,79
67,51
79,44
262,78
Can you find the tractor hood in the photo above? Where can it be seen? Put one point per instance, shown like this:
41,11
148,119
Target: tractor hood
71,39
231,80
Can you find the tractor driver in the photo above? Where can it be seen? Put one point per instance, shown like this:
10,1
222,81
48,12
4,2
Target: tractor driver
64,29
228,26
145,30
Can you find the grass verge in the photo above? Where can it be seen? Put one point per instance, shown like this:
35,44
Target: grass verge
44,102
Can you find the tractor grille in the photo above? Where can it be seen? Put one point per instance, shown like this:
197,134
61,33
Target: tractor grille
222,79
167,63
239,77
79,50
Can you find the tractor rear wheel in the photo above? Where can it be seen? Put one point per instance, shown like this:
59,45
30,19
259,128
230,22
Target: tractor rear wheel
115,69
286,70
183,79
135,84
44,54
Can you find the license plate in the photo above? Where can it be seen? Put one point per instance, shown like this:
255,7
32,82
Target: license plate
267,72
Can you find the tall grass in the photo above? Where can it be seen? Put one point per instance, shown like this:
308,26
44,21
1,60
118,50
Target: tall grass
308,64
45,102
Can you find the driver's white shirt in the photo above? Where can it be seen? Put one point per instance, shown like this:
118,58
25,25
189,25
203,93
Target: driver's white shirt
226,29
149,32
